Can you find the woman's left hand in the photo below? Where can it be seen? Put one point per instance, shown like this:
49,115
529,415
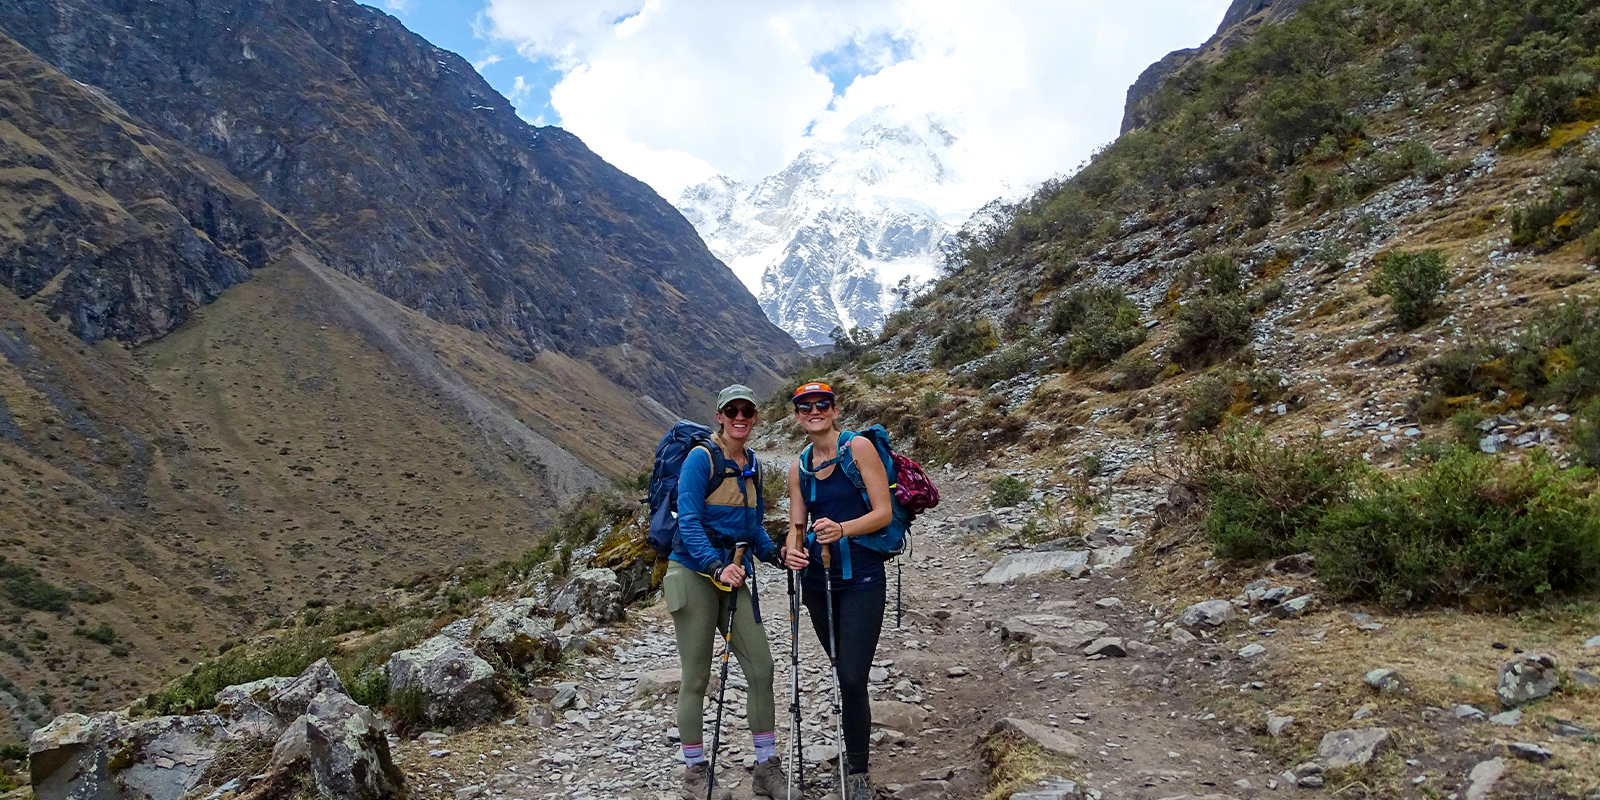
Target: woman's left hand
794,559
827,530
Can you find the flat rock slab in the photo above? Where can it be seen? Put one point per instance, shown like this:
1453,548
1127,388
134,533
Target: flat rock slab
1050,740
1052,789
1111,556
895,715
1351,747
1022,565
1059,633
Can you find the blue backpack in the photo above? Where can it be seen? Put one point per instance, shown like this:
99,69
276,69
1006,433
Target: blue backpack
663,498
891,541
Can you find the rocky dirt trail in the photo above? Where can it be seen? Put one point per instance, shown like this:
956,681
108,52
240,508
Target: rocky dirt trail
948,676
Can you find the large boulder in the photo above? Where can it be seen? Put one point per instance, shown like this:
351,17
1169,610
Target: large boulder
1059,633
456,686
343,747
262,709
106,756
519,639
592,598
1528,677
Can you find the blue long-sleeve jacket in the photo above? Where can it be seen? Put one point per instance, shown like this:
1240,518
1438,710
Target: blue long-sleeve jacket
708,527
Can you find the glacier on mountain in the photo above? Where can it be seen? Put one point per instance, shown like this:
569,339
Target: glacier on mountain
825,241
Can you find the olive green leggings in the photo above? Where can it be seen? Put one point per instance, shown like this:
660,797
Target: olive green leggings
700,610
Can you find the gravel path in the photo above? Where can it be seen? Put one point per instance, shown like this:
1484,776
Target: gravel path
1139,737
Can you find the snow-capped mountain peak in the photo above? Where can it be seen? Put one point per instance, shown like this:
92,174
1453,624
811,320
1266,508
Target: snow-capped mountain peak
824,240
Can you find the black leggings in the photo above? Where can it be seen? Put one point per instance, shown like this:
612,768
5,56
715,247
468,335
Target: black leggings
860,620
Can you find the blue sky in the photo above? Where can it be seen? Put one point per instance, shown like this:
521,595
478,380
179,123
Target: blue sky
677,91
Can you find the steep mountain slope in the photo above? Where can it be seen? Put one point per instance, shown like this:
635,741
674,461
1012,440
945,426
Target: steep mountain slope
831,234
421,182
282,433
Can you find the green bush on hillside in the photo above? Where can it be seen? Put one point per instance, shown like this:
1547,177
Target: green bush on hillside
1413,282
1586,434
1556,358
26,588
1006,491
1468,530
1265,497
1209,328
963,341
1465,530
1100,324
1206,404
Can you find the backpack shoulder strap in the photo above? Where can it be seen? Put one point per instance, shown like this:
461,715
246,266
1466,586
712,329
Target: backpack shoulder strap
719,464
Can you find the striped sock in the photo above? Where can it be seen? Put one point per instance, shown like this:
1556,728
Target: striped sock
693,753
766,745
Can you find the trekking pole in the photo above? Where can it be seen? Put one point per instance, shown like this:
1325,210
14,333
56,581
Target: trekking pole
797,774
833,658
722,685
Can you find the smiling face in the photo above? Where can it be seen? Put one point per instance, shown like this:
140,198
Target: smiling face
737,419
815,412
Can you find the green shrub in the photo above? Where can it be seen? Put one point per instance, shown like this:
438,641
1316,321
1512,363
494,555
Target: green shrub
370,688
1221,273
1007,491
1264,298
289,654
1586,434
407,708
1264,497
1464,425
26,588
1100,324
1556,358
1413,282
1209,328
1206,404
1136,372
1004,365
1332,255
963,341
1468,530
102,633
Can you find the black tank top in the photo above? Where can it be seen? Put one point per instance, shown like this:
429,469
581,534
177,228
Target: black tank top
839,500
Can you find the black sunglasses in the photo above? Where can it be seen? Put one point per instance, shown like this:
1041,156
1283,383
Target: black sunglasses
820,405
735,412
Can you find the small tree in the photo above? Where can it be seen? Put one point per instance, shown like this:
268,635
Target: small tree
1413,282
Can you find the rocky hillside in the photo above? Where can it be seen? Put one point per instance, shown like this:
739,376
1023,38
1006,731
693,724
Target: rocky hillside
1334,293
420,181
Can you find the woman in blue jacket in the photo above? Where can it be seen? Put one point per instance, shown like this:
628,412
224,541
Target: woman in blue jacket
701,582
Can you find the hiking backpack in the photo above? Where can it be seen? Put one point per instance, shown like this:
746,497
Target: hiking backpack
663,497
910,490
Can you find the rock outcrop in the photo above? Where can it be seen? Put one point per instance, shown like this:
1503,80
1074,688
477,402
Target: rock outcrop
309,723
455,685
592,598
1240,21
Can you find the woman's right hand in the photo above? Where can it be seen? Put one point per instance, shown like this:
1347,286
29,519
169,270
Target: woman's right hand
795,558
732,575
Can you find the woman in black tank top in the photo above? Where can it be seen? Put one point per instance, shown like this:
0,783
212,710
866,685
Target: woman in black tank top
830,508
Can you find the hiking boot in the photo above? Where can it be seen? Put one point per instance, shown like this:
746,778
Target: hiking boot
695,782
769,780
857,787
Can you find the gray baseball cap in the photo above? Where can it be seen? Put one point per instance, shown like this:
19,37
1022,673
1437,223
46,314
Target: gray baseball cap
737,391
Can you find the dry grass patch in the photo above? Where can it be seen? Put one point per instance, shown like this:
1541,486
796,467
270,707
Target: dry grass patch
1014,763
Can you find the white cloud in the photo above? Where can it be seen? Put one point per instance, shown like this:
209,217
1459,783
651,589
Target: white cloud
486,63
674,91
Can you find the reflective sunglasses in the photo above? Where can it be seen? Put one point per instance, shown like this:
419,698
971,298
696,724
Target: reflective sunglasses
735,412
820,405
